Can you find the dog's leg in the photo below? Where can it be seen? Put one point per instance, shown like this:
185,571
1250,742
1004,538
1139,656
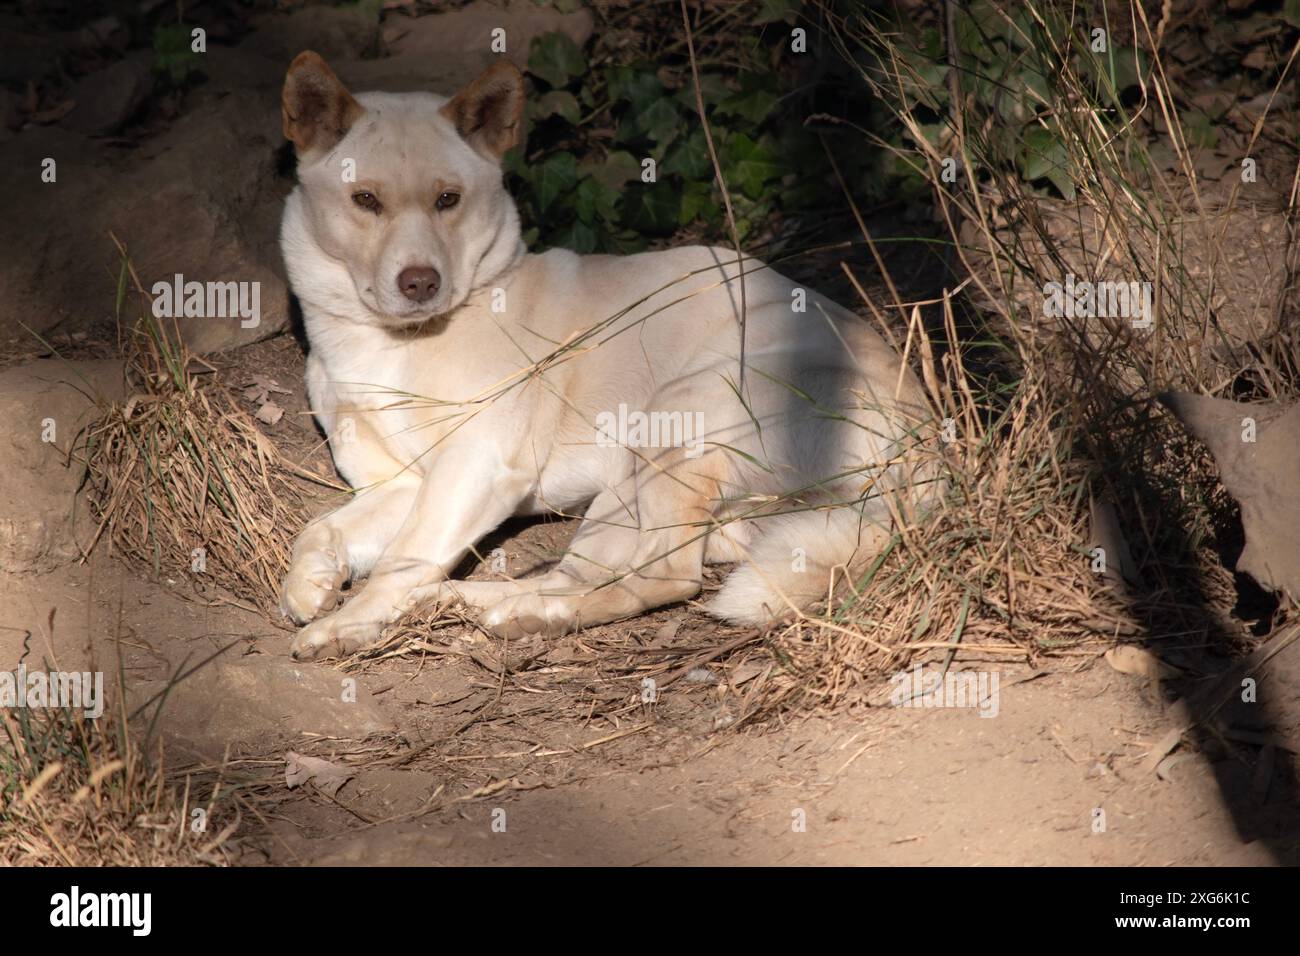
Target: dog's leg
477,595
466,493
342,544
641,545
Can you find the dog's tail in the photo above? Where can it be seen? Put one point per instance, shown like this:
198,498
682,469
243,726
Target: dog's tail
798,559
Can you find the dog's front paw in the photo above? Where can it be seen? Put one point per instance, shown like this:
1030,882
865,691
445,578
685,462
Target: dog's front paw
312,585
526,614
334,636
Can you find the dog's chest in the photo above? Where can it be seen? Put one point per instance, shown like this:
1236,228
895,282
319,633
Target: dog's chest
379,416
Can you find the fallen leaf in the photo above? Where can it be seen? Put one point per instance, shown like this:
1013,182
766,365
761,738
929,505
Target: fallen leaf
54,113
1162,747
1164,770
260,388
665,635
1107,535
746,672
1128,659
269,413
1258,59
327,777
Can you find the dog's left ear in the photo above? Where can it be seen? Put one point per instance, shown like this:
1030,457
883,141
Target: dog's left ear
488,113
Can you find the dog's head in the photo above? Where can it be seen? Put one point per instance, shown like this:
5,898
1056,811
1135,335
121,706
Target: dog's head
405,189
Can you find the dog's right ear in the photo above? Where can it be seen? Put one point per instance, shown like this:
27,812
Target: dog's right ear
316,108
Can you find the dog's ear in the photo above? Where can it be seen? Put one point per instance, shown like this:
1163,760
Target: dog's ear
488,113
317,109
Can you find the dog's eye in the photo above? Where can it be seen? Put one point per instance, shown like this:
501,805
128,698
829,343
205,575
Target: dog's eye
368,201
447,200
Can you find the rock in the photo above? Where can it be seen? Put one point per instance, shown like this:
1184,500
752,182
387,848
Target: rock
107,99
49,274
240,69
334,32
40,519
25,56
1263,475
203,200
105,33
207,206
443,52
10,118
257,703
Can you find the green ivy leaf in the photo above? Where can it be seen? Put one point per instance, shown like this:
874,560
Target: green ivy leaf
638,88
553,177
660,121
652,207
646,110
713,88
925,81
770,11
596,201
578,236
555,58
556,103
172,51
697,203
689,158
618,168
1130,66
749,165
1045,157
1037,85
513,163
1123,67
753,105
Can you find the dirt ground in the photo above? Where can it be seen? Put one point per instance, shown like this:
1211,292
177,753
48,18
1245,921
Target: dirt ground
450,760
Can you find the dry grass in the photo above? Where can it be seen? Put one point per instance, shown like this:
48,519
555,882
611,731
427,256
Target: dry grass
1049,415
176,471
183,481
80,792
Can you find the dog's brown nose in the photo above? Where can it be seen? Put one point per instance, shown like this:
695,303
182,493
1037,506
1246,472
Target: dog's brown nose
419,283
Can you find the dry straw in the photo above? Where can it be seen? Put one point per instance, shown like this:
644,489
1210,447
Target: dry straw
184,482
81,792
1047,416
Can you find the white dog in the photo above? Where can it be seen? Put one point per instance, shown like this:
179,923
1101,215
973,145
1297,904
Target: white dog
461,381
